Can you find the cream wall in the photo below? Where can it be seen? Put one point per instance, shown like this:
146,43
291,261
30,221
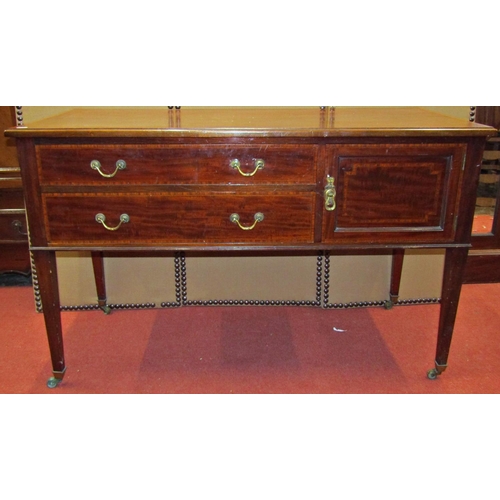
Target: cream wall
353,279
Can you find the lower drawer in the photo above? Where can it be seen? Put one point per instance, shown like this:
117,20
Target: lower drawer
180,218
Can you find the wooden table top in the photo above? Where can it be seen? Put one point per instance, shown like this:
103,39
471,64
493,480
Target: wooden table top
297,121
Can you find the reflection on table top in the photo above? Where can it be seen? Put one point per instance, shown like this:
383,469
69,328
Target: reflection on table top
245,120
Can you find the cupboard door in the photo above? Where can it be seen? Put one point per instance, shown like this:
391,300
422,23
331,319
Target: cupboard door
394,193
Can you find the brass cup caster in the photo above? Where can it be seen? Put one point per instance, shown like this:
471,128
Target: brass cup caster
53,382
105,309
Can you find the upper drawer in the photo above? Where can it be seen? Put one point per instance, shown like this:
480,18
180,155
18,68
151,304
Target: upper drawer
176,164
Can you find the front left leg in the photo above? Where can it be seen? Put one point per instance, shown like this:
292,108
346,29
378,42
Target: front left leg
45,263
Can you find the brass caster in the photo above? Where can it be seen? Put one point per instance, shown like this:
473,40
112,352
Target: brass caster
53,382
388,305
432,374
105,309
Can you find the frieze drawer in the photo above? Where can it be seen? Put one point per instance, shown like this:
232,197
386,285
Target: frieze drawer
176,164
179,218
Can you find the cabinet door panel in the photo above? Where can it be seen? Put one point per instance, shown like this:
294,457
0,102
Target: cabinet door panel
396,191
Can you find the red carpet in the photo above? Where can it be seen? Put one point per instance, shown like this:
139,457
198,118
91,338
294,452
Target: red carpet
482,224
262,350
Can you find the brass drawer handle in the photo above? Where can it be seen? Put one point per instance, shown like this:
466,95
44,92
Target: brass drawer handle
18,225
259,165
96,165
330,194
101,218
235,219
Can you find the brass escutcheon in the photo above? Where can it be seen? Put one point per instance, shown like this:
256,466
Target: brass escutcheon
330,194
